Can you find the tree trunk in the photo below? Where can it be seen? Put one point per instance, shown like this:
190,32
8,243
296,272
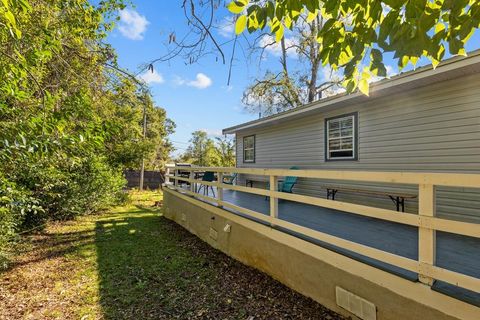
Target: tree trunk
283,59
314,60
312,85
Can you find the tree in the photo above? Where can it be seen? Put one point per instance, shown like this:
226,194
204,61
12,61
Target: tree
200,17
225,148
205,152
70,118
356,34
127,146
201,149
284,90
272,94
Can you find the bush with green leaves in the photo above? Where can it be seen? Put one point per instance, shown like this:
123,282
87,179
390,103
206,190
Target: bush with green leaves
70,120
15,205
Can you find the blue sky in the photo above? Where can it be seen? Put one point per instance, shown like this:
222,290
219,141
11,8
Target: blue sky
192,101
195,96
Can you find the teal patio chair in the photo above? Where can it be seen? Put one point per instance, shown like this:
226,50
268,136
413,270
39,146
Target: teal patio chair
287,184
209,176
229,179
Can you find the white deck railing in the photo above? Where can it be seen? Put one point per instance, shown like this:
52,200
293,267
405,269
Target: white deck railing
426,221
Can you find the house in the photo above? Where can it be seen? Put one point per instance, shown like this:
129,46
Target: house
417,137
420,121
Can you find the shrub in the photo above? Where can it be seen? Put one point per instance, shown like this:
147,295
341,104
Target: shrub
15,205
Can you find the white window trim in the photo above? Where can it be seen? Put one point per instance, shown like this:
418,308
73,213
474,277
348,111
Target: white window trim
353,136
249,149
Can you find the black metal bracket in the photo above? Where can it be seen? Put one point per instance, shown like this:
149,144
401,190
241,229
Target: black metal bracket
332,193
399,202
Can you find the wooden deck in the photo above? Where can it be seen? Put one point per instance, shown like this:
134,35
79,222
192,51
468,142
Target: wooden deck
454,252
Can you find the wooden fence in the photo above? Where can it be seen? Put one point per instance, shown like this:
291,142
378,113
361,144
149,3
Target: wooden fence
152,179
425,221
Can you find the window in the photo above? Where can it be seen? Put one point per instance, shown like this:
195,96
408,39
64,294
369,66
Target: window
341,137
249,149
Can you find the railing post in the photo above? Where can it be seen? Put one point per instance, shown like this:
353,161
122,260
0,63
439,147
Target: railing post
273,200
192,184
220,189
426,235
175,181
167,175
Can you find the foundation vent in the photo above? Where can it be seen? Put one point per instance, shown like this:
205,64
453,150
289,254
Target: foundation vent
213,234
357,305
227,228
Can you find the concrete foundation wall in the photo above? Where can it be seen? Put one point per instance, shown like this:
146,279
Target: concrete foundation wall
310,269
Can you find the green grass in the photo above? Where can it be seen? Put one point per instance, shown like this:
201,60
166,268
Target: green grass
141,263
132,263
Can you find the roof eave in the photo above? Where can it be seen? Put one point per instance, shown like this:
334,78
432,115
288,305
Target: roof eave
376,90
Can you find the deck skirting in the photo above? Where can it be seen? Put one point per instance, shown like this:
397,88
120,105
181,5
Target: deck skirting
308,268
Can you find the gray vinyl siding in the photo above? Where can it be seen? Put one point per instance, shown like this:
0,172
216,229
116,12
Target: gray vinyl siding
429,129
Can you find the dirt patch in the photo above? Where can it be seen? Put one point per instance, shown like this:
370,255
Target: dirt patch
244,291
134,264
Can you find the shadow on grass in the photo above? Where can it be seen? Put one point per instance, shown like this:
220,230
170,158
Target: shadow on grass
53,245
151,268
143,271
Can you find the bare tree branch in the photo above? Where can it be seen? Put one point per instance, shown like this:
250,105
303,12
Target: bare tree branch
195,44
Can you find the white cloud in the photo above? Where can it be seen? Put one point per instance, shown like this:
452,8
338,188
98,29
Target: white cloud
178,81
227,88
333,91
213,132
152,77
275,48
329,74
202,81
391,70
132,25
226,28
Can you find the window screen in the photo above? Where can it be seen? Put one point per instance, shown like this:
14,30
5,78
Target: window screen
249,149
341,137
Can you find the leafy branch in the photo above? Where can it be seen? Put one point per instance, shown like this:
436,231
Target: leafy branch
356,35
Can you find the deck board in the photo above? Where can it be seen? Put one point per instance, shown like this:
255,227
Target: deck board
454,252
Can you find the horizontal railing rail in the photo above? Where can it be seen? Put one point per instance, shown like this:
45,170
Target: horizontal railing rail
425,220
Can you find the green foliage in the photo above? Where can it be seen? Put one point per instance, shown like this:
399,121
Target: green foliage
225,148
126,145
272,94
132,263
7,15
70,121
15,205
358,33
206,152
292,87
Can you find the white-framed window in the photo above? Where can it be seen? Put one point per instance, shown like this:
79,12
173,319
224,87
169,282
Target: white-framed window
341,137
249,149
